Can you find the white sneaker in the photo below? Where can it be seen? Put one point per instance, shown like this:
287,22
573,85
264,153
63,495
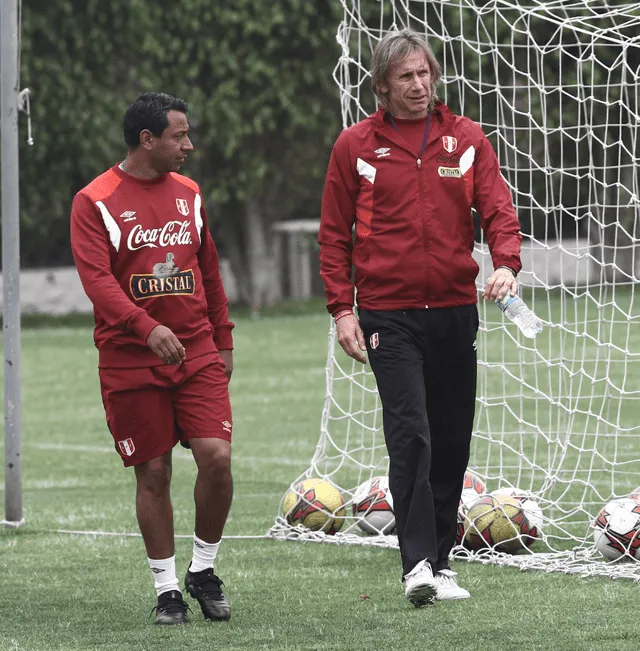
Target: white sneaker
448,588
420,587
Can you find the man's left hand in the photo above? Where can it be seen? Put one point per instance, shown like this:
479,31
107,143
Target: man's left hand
501,282
227,358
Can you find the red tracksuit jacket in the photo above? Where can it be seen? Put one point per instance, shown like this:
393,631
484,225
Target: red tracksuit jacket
414,231
145,257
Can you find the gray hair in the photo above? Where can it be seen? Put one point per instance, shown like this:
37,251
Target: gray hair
395,46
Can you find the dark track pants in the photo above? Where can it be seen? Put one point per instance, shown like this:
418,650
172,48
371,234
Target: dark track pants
424,362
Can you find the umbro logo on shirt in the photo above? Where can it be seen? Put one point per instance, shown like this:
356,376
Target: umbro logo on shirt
383,151
128,215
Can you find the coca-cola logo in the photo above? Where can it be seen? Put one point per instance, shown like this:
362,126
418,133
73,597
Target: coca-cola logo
174,233
450,159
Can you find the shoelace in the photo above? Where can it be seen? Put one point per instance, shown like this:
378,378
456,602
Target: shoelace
171,606
211,586
445,580
420,568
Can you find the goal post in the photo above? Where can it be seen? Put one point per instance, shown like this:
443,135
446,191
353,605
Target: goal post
555,86
9,204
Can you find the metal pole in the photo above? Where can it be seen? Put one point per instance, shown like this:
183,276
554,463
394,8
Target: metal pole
10,260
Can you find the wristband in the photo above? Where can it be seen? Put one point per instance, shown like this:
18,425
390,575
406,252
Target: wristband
503,266
340,315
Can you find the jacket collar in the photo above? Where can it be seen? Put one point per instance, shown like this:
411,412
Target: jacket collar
441,117
440,114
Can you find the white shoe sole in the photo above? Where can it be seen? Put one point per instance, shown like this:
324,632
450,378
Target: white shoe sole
422,595
456,598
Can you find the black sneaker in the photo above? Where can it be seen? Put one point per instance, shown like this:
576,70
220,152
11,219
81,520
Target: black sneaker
206,587
171,608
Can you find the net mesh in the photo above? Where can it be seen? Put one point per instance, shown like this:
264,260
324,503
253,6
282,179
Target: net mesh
555,87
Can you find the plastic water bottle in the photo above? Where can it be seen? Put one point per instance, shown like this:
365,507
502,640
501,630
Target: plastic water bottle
516,310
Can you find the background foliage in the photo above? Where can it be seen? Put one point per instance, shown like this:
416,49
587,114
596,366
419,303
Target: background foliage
264,110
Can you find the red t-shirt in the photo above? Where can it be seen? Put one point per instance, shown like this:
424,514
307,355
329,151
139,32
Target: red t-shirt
145,258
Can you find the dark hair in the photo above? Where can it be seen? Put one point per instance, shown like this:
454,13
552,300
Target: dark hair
149,111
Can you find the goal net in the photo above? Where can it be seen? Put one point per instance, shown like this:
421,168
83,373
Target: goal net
555,86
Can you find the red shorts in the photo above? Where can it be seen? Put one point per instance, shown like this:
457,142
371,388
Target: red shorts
151,409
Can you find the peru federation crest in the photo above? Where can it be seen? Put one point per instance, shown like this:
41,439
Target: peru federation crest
183,207
449,143
126,447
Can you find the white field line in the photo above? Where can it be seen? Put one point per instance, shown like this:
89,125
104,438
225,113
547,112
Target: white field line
44,484
178,453
99,449
124,534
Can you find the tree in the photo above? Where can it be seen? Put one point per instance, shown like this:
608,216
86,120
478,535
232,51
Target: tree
264,110
77,59
265,113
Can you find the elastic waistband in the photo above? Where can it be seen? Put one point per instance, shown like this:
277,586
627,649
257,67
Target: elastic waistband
135,356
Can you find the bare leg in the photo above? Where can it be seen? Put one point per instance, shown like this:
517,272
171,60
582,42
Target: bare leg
214,487
153,506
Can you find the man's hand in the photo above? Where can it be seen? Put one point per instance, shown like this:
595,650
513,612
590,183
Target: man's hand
501,282
350,337
166,345
227,358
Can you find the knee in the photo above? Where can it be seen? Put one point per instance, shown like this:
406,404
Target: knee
154,476
216,458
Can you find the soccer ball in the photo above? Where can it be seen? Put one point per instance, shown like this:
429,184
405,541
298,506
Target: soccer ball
316,504
500,523
373,506
472,480
530,506
635,495
472,487
461,524
617,529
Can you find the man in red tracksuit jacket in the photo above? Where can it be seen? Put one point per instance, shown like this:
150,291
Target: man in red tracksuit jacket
407,177
147,261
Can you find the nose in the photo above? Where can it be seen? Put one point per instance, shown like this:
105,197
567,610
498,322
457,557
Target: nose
187,145
415,81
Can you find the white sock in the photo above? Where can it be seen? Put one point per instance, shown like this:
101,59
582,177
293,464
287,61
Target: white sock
204,555
164,574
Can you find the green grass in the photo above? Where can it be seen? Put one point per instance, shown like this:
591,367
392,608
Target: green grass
80,593
560,416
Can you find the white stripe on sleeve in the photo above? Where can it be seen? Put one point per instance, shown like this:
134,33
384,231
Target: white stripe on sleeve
110,224
366,170
466,160
197,208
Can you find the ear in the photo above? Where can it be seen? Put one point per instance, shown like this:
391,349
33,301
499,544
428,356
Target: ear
384,89
146,139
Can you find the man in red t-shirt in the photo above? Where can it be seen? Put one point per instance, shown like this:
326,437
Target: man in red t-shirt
147,261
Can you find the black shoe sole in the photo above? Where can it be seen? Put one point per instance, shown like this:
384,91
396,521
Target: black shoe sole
425,595
171,622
